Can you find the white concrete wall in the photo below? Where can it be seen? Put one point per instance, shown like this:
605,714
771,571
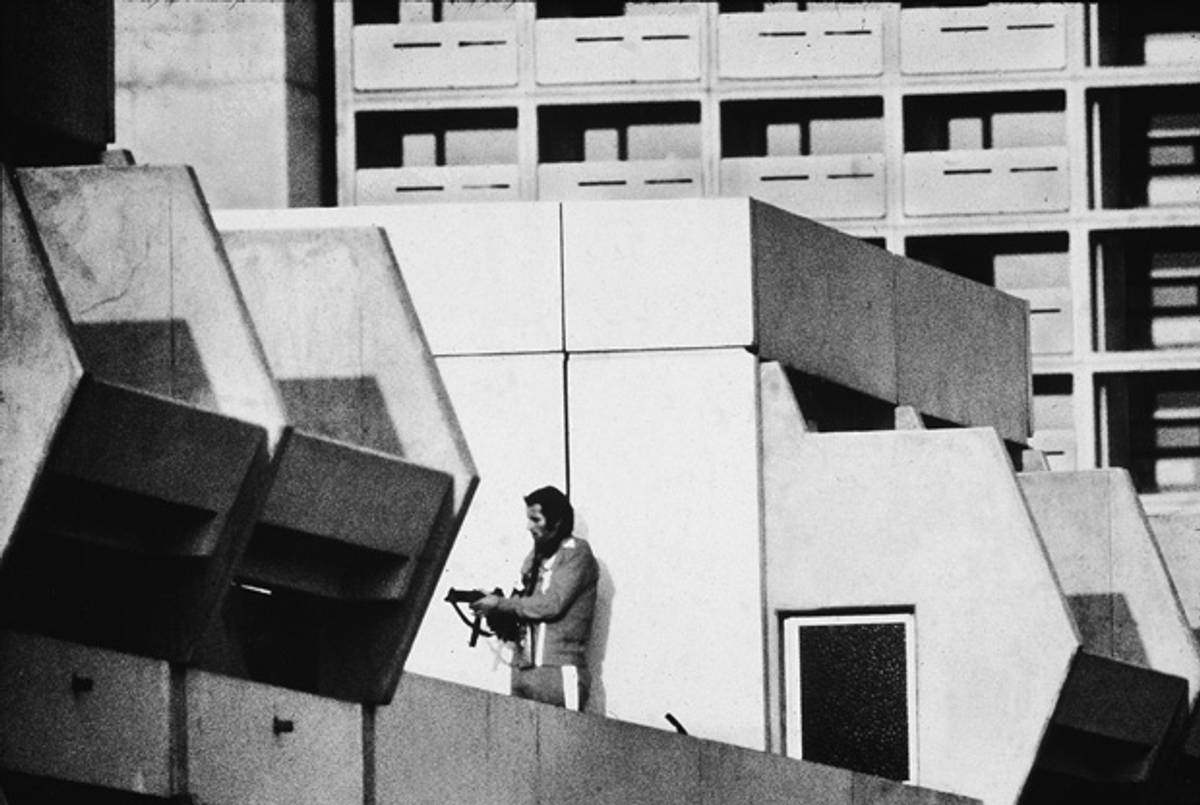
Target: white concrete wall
660,450
935,521
1179,536
1100,543
664,469
511,409
657,274
330,303
485,278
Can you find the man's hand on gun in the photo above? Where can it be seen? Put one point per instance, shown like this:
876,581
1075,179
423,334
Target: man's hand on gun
486,604
504,625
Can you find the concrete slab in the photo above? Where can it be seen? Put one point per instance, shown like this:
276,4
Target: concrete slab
823,302
842,310
350,355
735,776
1112,570
596,760
867,790
87,715
248,742
1179,537
962,351
330,305
148,289
370,516
39,367
252,68
439,742
132,530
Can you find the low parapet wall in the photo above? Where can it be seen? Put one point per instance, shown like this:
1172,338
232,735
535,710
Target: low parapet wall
441,742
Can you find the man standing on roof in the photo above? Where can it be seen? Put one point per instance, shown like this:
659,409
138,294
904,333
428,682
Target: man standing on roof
555,606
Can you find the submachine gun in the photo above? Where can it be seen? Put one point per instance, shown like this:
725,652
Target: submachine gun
503,625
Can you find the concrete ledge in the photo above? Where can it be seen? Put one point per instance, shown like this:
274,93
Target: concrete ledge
440,742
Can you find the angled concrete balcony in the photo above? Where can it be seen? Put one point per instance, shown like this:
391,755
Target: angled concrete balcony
372,478
143,468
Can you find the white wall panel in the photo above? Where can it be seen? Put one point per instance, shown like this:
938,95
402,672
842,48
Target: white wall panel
427,185
664,476
660,47
416,56
818,42
992,180
484,278
511,411
654,274
621,180
821,187
997,36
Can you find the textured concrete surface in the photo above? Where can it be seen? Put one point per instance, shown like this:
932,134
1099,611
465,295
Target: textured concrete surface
962,350
734,776
135,247
39,367
1111,569
248,70
1179,537
84,714
933,520
133,527
824,303
331,304
590,759
336,322
255,743
441,742
889,327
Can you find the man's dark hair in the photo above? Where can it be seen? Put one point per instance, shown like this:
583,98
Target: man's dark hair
555,508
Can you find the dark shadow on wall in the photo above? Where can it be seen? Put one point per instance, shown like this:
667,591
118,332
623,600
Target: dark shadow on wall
350,409
156,355
598,648
1107,627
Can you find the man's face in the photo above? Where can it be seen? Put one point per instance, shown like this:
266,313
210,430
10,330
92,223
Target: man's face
539,529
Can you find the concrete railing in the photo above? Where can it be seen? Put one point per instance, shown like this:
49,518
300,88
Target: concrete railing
441,742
